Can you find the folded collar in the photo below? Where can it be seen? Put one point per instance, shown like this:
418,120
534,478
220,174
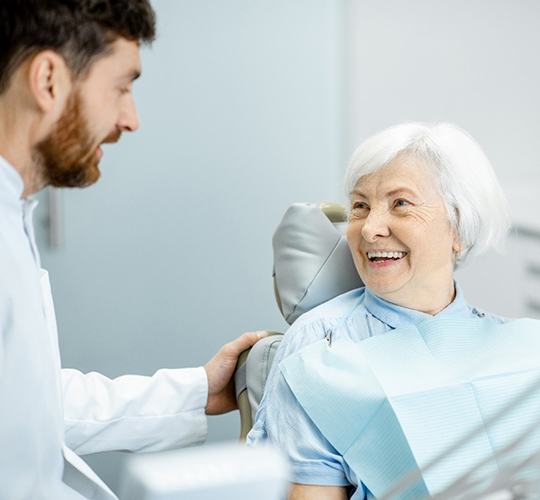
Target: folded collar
396,316
11,183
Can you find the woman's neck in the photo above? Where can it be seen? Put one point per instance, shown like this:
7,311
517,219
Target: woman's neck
427,301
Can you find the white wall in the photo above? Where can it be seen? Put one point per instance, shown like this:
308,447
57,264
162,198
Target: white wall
169,255
474,63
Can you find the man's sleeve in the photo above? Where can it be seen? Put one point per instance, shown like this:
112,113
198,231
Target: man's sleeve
133,412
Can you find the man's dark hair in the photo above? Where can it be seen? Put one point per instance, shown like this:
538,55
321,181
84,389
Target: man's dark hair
79,30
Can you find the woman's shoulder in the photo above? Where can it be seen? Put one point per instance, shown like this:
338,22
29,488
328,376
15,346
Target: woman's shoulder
331,311
487,316
497,319
315,324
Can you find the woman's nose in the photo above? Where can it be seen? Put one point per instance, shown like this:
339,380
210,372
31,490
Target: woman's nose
375,226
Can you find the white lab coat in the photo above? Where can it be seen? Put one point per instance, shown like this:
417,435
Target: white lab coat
50,416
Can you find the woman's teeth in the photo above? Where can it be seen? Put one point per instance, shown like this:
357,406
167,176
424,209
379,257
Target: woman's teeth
385,255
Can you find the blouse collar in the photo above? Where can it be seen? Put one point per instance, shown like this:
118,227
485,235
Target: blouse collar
395,316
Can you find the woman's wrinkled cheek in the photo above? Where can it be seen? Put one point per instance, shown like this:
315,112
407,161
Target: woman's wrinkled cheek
424,214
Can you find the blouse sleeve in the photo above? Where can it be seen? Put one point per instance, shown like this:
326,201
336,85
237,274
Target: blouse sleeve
282,421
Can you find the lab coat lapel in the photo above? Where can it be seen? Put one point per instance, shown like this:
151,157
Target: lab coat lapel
52,330
77,474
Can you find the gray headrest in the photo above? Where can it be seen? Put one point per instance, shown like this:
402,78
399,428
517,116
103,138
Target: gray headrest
312,262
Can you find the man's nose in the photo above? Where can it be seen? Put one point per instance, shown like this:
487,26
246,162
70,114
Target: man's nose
128,120
375,225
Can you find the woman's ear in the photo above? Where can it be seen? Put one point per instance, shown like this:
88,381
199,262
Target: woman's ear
49,81
457,248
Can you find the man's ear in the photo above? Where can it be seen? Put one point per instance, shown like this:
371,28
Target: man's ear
49,81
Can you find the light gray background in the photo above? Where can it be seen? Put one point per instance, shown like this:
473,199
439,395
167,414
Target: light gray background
471,62
247,106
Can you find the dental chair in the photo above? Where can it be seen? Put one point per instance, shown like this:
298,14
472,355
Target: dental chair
312,264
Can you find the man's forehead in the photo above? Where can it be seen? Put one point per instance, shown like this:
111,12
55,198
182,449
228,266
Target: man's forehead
121,61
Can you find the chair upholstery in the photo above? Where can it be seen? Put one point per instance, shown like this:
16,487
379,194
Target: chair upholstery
250,378
312,261
312,264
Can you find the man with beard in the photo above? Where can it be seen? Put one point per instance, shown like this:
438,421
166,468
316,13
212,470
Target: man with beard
66,74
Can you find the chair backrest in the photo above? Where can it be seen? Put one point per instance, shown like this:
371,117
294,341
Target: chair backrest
312,264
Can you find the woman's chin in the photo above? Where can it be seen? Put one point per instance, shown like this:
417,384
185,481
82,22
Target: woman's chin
384,287
386,280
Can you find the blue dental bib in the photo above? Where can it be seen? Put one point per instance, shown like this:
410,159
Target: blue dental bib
393,403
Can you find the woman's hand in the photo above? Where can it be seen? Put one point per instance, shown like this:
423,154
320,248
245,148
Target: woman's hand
313,492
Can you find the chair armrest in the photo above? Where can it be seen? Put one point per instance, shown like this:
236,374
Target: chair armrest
250,378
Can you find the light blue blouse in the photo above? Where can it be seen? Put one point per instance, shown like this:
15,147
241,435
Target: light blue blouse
355,316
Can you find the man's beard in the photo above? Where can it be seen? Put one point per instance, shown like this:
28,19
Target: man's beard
68,156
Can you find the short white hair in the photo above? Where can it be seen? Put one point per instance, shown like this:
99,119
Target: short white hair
475,202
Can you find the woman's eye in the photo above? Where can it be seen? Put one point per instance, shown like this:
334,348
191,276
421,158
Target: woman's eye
400,202
359,205
358,209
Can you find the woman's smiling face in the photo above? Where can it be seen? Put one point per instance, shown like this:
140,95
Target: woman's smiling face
400,236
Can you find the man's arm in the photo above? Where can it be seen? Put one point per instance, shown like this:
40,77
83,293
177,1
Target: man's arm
134,412
314,492
140,413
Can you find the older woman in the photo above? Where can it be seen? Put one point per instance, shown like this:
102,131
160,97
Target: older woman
423,198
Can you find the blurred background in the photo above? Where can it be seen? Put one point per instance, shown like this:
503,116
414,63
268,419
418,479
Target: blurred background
247,106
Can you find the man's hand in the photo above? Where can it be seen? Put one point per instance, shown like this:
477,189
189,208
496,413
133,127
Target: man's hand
220,369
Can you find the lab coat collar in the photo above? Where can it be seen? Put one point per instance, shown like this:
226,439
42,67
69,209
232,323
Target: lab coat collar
28,207
11,189
11,183
396,316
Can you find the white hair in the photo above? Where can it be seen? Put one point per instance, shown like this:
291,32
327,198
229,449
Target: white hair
476,205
